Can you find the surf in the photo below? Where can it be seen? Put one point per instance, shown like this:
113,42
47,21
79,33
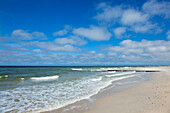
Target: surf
44,78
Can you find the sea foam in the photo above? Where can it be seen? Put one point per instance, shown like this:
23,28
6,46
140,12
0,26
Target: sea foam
45,78
120,74
4,76
70,88
96,79
76,69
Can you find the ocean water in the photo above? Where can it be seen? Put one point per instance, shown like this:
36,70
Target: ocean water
37,89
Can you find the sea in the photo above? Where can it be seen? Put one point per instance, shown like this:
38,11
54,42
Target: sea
37,89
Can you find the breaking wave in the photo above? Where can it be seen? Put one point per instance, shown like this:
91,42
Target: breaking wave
120,74
44,78
96,79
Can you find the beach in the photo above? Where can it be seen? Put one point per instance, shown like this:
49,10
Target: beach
62,89
126,89
84,56
152,96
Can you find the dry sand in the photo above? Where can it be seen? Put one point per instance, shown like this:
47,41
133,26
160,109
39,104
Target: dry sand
149,97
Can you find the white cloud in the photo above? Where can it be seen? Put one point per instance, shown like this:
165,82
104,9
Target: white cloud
59,44
50,46
93,33
146,27
60,33
121,14
22,34
71,40
154,7
158,50
119,32
131,17
91,56
134,20
13,47
112,54
25,35
92,52
37,50
168,35
108,13
128,51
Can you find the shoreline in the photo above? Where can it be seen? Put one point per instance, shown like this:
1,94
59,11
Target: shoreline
149,97
89,104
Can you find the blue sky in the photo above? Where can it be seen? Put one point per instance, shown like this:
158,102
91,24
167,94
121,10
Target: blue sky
84,32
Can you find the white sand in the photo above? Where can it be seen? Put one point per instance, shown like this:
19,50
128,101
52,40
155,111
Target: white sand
149,97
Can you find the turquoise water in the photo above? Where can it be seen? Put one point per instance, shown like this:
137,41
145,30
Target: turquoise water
36,89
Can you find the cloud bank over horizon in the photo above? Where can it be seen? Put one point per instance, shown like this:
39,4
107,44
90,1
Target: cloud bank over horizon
117,35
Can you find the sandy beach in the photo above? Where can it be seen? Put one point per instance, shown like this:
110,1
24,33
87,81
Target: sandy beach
149,97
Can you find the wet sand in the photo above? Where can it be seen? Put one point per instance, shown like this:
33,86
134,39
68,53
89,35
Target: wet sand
149,97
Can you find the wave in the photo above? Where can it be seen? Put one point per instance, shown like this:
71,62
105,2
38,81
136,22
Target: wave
5,76
76,69
111,72
120,78
103,69
44,78
22,78
98,69
119,74
96,79
19,78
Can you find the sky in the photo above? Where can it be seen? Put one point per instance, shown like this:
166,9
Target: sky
84,32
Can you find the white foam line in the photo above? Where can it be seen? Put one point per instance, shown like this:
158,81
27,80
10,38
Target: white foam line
85,97
5,76
111,72
22,78
76,69
45,78
119,74
96,79
74,100
120,78
48,108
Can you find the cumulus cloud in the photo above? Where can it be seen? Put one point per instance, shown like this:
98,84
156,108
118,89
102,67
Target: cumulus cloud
154,7
62,32
6,39
128,51
27,41
158,50
37,50
146,28
14,47
111,54
17,58
91,57
108,13
93,33
131,18
25,35
119,32
74,40
50,46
